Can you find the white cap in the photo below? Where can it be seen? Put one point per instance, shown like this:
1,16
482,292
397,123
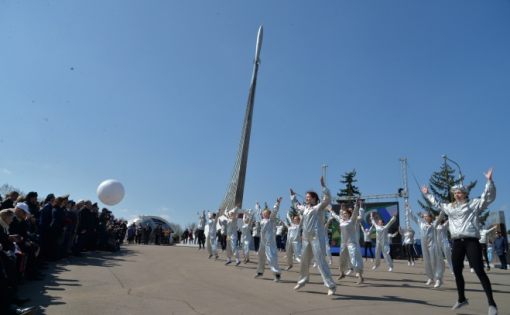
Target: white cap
23,206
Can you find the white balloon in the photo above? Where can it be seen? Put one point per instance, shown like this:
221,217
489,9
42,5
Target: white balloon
110,192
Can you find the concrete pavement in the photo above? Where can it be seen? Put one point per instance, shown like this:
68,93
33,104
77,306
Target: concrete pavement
181,280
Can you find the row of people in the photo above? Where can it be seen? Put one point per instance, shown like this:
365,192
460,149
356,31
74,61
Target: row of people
35,232
462,224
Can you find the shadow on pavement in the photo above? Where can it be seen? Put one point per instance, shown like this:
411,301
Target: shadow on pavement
38,291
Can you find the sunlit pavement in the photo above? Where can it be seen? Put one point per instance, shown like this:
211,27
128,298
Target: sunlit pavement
182,280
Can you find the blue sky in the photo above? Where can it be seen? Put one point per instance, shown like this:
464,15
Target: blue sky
153,93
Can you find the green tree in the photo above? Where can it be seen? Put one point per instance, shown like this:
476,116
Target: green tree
6,188
350,190
440,184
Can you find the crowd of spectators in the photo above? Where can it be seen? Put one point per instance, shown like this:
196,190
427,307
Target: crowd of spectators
34,232
144,234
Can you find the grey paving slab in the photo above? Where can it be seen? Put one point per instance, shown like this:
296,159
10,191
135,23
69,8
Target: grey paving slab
181,280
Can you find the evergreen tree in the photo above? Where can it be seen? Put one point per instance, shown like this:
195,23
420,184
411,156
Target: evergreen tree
440,184
350,190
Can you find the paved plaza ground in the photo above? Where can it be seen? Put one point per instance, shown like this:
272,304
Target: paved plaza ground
181,280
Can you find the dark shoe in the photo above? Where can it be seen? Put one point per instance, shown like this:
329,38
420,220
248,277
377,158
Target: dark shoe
20,301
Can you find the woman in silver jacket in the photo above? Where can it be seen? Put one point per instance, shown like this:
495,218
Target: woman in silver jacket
381,243
246,237
443,243
434,265
294,245
350,255
464,229
268,248
408,242
312,214
210,235
230,225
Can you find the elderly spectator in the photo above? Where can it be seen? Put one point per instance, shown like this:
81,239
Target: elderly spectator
8,273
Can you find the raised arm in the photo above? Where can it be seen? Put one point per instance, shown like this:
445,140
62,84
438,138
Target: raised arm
439,219
257,210
488,195
294,202
392,220
412,216
372,219
334,215
326,198
394,234
492,229
276,207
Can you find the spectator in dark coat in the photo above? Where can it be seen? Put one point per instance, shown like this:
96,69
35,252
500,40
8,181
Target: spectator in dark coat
501,249
33,205
10,198
44,221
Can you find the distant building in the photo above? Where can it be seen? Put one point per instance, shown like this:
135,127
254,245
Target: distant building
152,221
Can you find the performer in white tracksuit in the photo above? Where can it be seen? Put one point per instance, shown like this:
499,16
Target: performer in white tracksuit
443,243
246,238
382,244
367,240
408,234
210,235
294,245
201,230
464,229
268,248
230,223
312,214
434,267
350,255
483,243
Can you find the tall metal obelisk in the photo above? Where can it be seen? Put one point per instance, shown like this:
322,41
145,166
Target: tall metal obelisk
235,191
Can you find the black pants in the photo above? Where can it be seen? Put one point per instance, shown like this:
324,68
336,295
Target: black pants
201,239
409,249
471,248
256,242
368,246
502,259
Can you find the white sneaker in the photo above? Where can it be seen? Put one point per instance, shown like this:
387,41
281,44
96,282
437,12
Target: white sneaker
493,310
429,282
348,272
332,291
472,270
374,268
458,305
390,269
412,264
409,263
438,283
299,286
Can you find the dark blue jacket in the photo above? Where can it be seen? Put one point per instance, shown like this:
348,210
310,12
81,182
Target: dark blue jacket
500,245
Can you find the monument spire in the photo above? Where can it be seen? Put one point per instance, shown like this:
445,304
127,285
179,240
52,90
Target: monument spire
235,191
